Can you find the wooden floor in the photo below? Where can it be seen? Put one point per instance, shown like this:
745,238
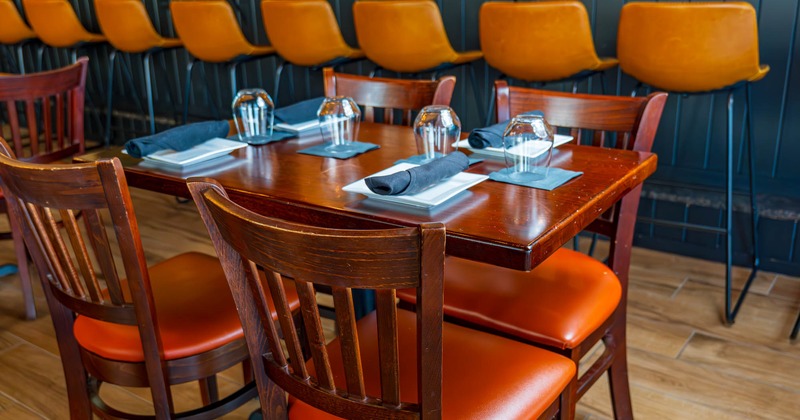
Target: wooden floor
684,363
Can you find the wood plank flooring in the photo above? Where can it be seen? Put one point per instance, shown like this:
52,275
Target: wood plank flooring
684,362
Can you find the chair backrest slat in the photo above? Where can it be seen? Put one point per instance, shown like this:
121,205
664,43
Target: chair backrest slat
287,325
394,96
351,354
98,238
387,346
48,122
382,260
82,257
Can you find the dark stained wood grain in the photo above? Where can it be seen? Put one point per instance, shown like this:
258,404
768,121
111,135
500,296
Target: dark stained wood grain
493,222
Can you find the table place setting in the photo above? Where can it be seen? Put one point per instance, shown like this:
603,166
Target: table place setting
257,121
339,120
425,186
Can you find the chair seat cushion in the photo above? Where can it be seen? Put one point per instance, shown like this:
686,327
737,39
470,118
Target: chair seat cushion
467,57
484,376
559,303
194,309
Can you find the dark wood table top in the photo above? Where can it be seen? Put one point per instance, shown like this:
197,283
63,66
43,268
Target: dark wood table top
492,222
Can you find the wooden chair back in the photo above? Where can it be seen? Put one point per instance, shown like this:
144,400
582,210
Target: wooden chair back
44,112
597,120
77,264
383,260
392,96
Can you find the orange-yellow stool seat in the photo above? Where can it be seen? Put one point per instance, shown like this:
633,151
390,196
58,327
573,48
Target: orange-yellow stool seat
13,29
471,380
57,25
193,316
559,303
695,47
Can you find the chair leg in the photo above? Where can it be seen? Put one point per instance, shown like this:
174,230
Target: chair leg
39,57
568,400
187,89
796,328
24,273
20,59
209,392
729,316
618,372
232,74
112,59
475,89
148,80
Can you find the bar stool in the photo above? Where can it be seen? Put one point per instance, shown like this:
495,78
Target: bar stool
305,33
129,30
540,42
699,48
14,32
408,36
211,33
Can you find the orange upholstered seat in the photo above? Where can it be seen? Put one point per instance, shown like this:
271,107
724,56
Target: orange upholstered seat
517,373
562,301
193,317
127,26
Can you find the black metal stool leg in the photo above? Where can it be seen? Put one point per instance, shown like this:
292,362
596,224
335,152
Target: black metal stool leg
729,316
291,81
232,74
278,74
187,89
148,80
796,328
20,59
39,57
112,59
475,89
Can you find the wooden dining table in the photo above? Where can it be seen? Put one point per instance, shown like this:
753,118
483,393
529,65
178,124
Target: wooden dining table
492,222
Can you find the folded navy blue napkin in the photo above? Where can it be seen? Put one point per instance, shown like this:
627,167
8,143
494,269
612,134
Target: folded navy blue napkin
179,138
492,136
418,178
299,112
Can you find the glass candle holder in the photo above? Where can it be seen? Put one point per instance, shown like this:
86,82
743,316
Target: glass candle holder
528,147
253,115
436,129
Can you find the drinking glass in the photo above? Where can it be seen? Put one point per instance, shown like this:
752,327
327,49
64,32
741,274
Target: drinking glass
253,115
436,129
339,118
528,147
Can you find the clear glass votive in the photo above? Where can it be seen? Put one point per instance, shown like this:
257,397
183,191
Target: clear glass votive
253,115
339,118
528,147
436,129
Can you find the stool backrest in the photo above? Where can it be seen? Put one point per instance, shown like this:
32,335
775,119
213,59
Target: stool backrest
537,41
209,29
304,33
402,35
689,47
126,24
12,28
45,112
393,96
382,260
54,21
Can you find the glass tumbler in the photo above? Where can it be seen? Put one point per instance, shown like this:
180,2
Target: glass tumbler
436,129
528,147
253,115
339,118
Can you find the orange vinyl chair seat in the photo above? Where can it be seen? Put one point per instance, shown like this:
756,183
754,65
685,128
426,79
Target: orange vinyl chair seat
57,25
128,27
566,298
695,47
211,33
406,36
540,41
13,29
194,307
471,381
306,33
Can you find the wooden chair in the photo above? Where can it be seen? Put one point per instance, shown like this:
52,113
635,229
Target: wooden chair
393,96
570,301
390,364
154,327
45,124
